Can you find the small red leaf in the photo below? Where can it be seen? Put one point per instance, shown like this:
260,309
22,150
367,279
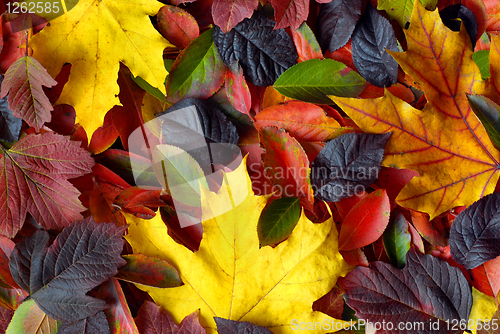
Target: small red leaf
306,44
366,221
290,13
177,25
237,90
332,303
228,13
149,271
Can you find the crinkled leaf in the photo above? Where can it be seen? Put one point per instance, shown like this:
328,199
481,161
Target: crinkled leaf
202,130
397,239
475,233
370,40
177,26
264,53
400,10
10,126
152,319
30,319
23,82
278,220
428,291
34,175
83,256
302,120
312,80
488,113
91,325
197,72
454,15
347,164
445,141
226,326
336,22
150,271
266,286
228,13
290,13
365,222
95,37
482,60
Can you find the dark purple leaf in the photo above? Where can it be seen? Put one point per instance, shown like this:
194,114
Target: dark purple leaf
336,23
225,326
475,233
5,318
347,165
263,53
83,255
10,126
450,14
201,129
91,325
427,293
153,320
372,36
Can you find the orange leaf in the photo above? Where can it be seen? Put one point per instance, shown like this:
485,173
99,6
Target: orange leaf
366,221
177,26
444,142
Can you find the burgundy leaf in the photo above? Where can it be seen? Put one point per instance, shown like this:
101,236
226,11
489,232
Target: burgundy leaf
290,13
225,326
91,325
228,13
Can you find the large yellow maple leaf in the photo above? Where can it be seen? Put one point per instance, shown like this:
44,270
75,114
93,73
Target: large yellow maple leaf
95,36
444,142
231,277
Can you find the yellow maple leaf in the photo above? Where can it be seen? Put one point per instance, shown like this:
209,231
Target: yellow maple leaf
445,142
95,36
230,277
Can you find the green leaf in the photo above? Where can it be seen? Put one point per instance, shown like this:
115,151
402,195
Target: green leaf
397,239
482,60
278,220
148,88
488,113
312,80
30,319
400,10
197,72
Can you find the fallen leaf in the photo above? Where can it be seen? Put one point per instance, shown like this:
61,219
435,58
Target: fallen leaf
278,220
306,44
34,178
95,37
290,13
252,284
150,271
228,13
401,10
30,319
177,25
10,126
226,326
445,142
93,324
23,82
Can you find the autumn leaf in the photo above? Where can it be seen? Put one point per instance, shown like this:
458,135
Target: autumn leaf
95,36
228,13
23,81
290,13
30,319
230,277
34,175
401,10
444,142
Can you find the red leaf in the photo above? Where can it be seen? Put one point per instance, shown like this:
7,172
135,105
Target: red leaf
149,271
306,44
486,277
228,13
5,317
332,303
11,50
119,316
152,320
6,247
366,221
436,231
290,13
394,179
102,138
346,204
23,81
128,117
177,25
34,178
302,120
135,196
237,90
101,205
286,164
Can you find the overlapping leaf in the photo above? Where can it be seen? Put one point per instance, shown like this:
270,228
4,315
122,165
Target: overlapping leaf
9,124
227,14
444,142
401,10
226,326
428,291
263,53
23,82
30,319
83,256
34,175
95,37
231,277
290,13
